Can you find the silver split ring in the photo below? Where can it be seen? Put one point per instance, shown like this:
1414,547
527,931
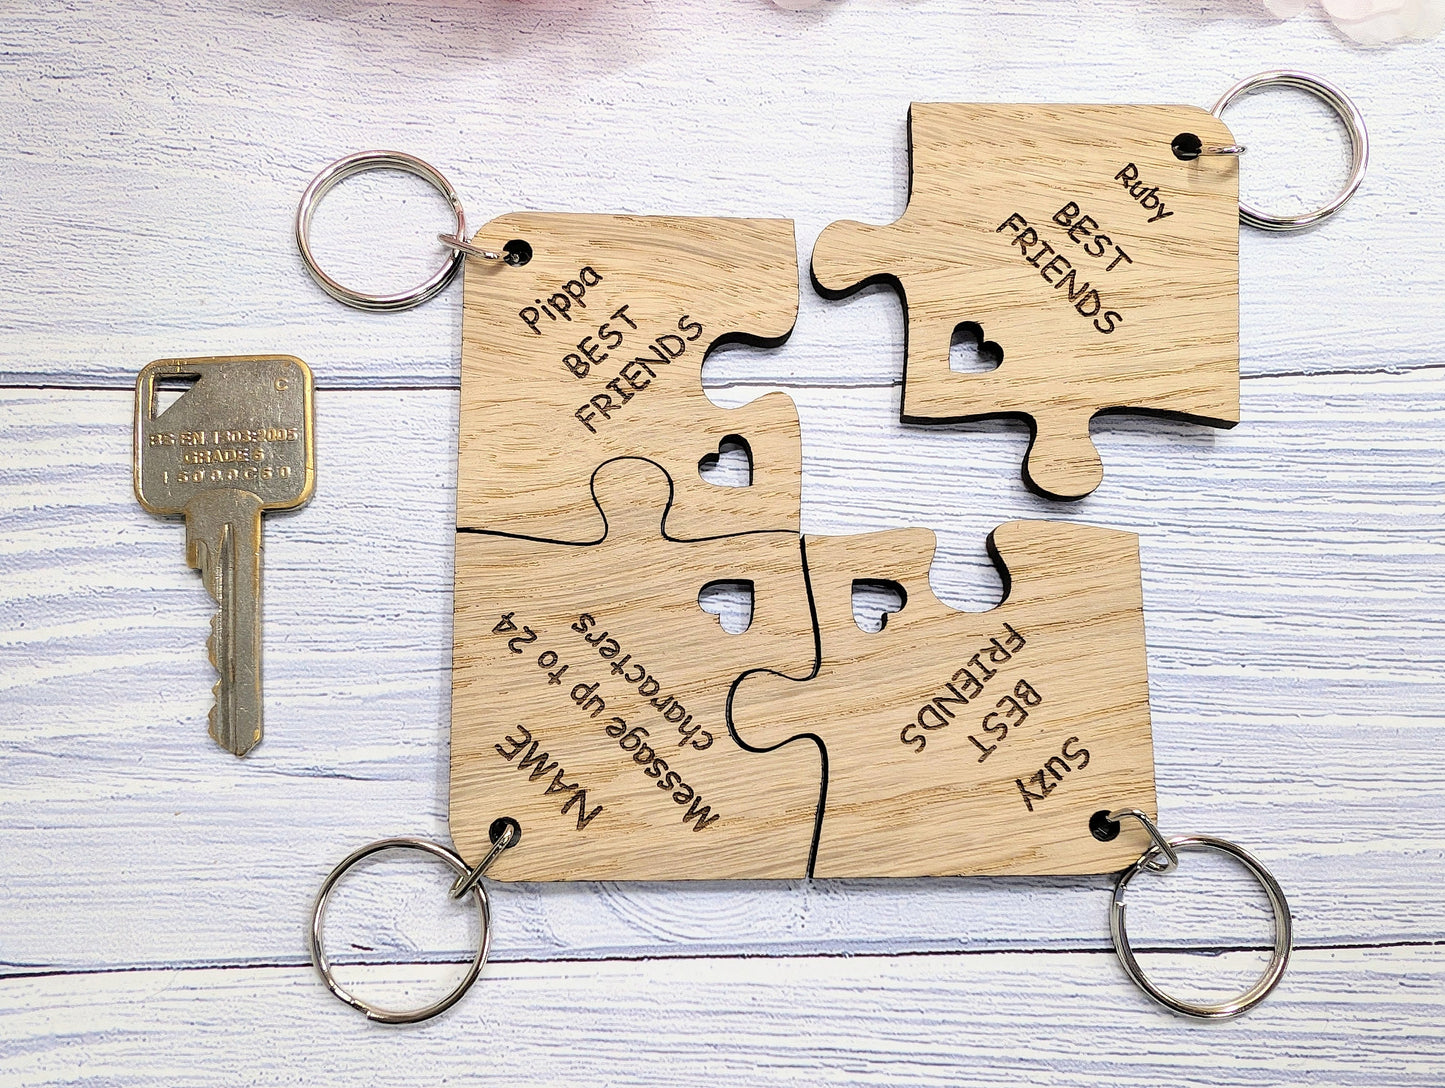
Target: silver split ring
1338,101
1283,929
358,163
475,888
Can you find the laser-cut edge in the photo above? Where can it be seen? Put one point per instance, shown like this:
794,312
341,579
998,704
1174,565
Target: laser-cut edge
606,525
890,280
1007,582
727,703
727,338
1005,577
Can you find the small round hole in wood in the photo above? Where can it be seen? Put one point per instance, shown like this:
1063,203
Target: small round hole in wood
1103,828
499,828
517,252
1187,146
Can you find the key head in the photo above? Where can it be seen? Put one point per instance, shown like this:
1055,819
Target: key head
242,423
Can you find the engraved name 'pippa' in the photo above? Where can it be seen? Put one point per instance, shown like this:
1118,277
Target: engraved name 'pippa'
633,740
558,305
967,685
618,335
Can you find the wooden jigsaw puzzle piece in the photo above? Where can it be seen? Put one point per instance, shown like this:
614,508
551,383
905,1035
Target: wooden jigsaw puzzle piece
593,349
1104,269
588,700
972,743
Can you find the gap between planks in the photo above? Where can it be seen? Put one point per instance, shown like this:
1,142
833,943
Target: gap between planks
923,953
714,387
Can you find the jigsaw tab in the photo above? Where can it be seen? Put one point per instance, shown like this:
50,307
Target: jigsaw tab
587,343
1103,266
972,743
588,700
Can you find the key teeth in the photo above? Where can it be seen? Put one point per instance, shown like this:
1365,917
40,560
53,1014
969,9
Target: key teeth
212,549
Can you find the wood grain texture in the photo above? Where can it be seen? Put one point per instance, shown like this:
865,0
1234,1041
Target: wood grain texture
1292,567
1356,1018
1294,633
1017,725
593,349
1100,271
588,695
181,150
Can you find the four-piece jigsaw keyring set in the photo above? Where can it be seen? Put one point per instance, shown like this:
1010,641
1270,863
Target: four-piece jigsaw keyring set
603,726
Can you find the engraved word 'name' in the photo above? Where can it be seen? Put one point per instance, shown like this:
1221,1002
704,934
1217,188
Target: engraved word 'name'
632,740
541,765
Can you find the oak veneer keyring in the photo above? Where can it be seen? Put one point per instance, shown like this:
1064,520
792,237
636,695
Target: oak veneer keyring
588,706
593,702
583,339
1090,251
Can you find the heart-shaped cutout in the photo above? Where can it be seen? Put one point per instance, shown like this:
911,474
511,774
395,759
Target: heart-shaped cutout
970,353
731,466
874,600
731,601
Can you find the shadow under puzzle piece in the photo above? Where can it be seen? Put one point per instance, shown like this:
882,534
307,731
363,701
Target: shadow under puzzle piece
1100,267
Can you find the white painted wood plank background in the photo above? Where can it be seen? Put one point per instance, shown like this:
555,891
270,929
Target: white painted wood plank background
1367,1018
155,154
155,892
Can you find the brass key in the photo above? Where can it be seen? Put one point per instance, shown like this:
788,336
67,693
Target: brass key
237,442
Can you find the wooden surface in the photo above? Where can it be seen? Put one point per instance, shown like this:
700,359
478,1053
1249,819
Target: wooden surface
1017,725
594,349
1096,269
588,699
1349,1017
155,890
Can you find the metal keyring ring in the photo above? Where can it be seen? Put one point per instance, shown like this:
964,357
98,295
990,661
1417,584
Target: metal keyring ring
1338,101
1283,931
358,163
318,913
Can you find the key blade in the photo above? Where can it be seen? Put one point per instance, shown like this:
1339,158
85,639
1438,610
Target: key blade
238,442
223,542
